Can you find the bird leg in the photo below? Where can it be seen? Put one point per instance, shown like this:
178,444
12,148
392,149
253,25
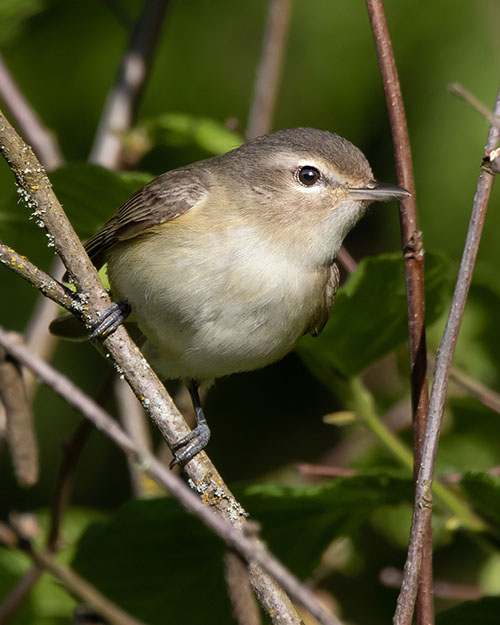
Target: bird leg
198,438
110,320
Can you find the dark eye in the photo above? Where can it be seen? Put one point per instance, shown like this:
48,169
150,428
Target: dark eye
308,175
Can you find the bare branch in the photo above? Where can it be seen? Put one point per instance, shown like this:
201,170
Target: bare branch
37,278
253,550
17,595
31,126
124,97
37,335
413,254
324,471
72,450
91,301
269,71
423,498
346,260
20,430
484,394
461,92
392,577
245,608
44,559
134,423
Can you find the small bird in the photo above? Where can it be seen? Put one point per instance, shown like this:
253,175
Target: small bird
227,262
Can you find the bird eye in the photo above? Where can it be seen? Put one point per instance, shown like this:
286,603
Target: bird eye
308,175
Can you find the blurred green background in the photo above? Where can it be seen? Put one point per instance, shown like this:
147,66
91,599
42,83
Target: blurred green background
64,55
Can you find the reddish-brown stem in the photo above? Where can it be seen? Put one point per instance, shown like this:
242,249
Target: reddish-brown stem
413,255
422,509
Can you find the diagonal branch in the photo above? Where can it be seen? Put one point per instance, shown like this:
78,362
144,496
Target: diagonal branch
422,510
31,126
254,551
124,97
44,559
91,301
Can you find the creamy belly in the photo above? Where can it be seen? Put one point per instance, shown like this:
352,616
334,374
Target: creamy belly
215,306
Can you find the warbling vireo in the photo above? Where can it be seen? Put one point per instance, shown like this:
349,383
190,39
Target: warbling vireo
225,263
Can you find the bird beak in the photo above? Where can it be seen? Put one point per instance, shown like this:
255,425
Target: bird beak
379,192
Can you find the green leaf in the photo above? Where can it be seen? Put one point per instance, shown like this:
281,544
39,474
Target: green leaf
48,603
369,316
179,129
486,611
318,514
483,491
472,444
13,13
152,558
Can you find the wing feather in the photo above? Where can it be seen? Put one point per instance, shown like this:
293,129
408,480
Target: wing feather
170,195
323,313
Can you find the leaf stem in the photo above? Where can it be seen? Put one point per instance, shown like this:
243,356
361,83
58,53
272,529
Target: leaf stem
364,405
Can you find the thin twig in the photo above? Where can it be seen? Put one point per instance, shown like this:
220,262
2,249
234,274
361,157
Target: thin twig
44,559
36,277
346,260
37,335
254,551
124,97
16,596
461,92
269,71
64,483
133,419
92,300
245,607
72,450
423,498
392,577
413,254
487,396
20,428
324,471
31,126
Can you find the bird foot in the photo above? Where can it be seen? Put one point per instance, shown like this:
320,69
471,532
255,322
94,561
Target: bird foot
110,320
191,445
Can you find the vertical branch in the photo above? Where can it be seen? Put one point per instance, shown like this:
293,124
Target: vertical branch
269,70
413,255
423,500
20,428
124,97
134,422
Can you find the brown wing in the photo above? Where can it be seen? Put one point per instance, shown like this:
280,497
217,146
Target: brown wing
163,199
332,284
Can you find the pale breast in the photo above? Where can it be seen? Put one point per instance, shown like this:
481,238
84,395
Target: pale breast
224,302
